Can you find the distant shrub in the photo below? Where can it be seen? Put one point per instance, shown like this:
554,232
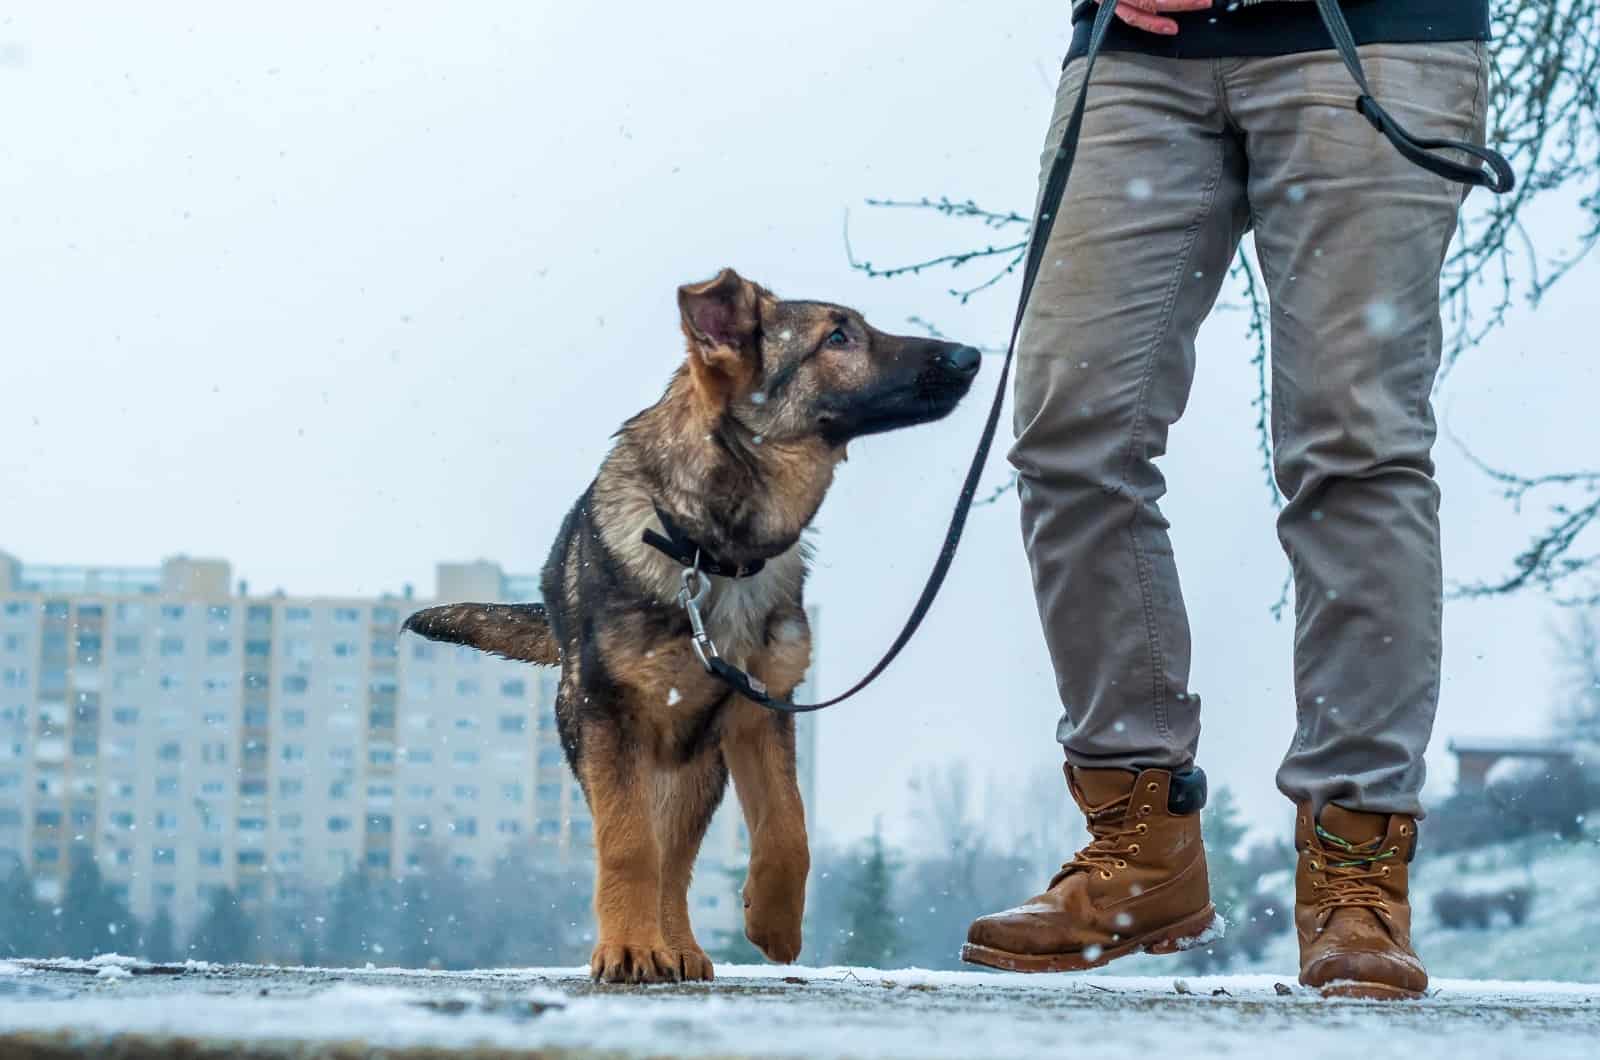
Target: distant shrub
1461,909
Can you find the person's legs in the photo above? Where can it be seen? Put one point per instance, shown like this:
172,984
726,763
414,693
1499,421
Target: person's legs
1153,213
1154,210
1352,238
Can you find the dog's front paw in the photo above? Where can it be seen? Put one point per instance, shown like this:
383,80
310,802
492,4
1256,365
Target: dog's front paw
774,905
694,965
627,962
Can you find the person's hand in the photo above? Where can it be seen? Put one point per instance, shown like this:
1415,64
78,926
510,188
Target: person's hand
1148,15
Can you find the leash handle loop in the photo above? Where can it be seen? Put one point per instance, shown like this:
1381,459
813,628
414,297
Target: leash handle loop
1499,178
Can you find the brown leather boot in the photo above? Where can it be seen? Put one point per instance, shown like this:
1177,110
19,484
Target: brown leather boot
1140,884
1351,909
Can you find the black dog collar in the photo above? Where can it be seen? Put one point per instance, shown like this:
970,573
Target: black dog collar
681,547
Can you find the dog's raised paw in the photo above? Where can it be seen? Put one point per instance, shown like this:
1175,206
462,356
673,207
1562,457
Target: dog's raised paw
622,962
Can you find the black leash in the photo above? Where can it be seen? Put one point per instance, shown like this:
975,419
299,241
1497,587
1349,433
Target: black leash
695,584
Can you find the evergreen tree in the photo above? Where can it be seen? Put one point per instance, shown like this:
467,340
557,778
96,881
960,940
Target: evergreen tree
27,928
160,939
226,933
874,935
361,922
93,919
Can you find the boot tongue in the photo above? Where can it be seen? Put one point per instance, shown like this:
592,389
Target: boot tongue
1357,829
1100,786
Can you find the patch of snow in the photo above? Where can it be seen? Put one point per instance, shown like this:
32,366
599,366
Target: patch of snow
114,960
113,971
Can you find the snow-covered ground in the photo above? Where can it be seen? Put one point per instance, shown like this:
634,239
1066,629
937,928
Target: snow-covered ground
763,1011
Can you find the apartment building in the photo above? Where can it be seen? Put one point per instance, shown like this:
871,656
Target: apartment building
190,736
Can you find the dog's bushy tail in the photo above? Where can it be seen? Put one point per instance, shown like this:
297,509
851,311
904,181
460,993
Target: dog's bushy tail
511,631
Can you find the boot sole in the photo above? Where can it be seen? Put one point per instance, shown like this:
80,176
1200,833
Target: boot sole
1169,939
1368,991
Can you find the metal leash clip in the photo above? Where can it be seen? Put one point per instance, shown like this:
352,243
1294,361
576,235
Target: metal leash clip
696,587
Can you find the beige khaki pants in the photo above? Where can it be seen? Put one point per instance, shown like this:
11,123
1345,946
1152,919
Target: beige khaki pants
1179,158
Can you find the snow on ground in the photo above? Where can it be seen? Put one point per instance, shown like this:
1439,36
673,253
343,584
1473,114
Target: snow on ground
777,1012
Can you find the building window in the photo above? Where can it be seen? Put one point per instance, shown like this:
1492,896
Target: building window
253,789
213,788
464,826
258,613
124,821
377,859
418,755
346,649
257,649
346,614
380,719
172,612
549,756
422,651
385,648
47,819
211,855
291,789
509,827
297,614
342,756
381,756
171,646
513,792
218,646
251,858
379,824
467,686
290,822
166,821
255,717
513,723
166,787
127,644
295,684
125,715
385,616
549,829
465,758
514,689
338,824
164,856
171,682
252,824
170,752
294,719
293,752
419,792
466,792
46,855
420,825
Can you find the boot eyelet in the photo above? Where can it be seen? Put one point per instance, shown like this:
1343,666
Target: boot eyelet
1386,870
1392,851
1316,867
1104,875
1144,809
1134,849
1119,863
1142,829
1405,829
1152,786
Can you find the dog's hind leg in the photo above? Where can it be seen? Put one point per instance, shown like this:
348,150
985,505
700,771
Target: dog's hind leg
618,783
759,748
686,798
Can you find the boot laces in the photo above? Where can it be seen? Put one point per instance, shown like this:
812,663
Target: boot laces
1105,852
1351,882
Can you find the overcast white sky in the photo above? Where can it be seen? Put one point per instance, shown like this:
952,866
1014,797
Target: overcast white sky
338,290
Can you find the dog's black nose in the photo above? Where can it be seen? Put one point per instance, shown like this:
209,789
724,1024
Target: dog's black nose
962,360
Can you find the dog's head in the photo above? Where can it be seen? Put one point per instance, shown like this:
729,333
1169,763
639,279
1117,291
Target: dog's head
794,371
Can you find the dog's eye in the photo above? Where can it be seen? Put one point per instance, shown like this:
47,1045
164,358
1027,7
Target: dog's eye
838,338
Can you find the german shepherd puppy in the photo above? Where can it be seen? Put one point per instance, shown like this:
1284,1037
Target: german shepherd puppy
738,454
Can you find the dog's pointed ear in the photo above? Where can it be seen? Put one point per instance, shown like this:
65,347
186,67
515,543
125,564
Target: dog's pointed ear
722,321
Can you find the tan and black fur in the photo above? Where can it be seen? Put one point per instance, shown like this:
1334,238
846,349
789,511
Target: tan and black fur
739,452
